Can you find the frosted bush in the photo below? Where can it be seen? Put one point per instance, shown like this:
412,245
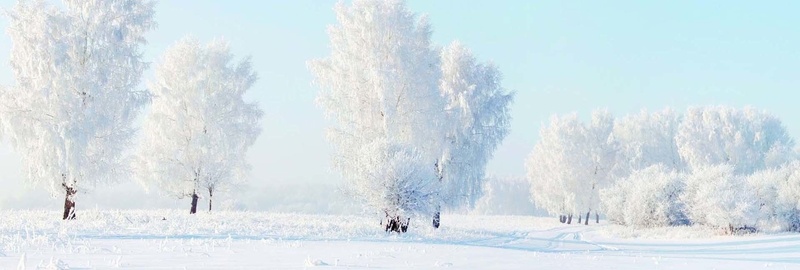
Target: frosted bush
716,196
646,198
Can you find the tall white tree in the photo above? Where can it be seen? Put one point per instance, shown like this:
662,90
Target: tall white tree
77,66
199,127
379,86
393,100
748,139
553,181
477,109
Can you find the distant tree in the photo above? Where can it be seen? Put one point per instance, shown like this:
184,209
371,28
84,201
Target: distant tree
77,67
647,139
199,127
506,196
552,181
571,163
748,139
600,169
477,109
379,86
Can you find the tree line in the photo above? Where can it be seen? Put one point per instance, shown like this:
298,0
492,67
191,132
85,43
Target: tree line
414,125
718,166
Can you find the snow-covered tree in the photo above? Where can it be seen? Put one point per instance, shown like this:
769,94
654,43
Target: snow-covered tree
571,163
646,198
648,139
478,120
599,170
386,87
77,66
199,127
548,166
747,139
379,87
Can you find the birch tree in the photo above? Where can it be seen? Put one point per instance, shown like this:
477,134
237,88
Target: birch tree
571,163
77,67
477,109
553,182
379,87
395,97
199,127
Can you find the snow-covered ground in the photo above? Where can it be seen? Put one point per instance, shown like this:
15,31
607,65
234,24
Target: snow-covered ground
171,239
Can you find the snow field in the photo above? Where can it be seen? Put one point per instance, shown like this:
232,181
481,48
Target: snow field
257,240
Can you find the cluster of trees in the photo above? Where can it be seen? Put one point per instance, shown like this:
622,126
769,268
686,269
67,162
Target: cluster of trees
414,124
717,166
72,113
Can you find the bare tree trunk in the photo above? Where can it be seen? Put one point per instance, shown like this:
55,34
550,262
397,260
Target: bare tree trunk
587,218
194,203
569,219
562,218
580,219
436,219
69,203
210,194
596,217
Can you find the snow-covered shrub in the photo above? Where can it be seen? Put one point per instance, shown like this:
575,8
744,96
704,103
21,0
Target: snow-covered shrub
716,196
646,198
778,197
395,180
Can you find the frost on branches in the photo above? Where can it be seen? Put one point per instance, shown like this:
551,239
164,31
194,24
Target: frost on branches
478,120
413,126
747,139
199,127
77,66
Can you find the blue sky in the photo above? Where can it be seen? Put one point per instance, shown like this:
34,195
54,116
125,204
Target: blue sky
559,56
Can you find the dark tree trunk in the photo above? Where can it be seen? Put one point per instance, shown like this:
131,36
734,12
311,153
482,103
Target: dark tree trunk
596,217
580,219
194,203
562,218
210,194
69,203
569,219
396,224
436,219
587,218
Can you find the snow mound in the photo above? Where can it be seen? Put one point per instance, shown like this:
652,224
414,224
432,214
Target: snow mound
312,263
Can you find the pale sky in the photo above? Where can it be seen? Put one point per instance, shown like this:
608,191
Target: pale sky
559,56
